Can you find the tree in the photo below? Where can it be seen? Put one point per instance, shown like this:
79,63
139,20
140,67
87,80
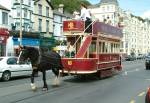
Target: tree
69,5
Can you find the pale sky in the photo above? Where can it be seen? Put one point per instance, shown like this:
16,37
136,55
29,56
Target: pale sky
6,3
137,7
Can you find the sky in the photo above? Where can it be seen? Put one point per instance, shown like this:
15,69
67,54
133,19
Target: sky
136,7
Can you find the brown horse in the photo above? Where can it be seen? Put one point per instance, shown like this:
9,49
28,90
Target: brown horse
41,60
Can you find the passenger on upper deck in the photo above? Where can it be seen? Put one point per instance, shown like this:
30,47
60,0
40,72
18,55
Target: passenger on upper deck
86,16
76,15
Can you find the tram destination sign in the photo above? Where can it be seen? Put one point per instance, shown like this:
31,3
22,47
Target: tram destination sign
73,25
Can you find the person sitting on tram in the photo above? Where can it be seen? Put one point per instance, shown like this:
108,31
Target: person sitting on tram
70,52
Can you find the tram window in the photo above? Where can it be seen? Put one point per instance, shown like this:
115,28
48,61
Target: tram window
103,47
92,47
111,48
106,47
100,47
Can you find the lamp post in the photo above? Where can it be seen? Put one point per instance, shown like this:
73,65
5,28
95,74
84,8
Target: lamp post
20,36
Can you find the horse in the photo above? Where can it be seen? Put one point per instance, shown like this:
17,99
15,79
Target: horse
41,60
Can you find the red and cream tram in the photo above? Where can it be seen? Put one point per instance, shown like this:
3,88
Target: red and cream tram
97,52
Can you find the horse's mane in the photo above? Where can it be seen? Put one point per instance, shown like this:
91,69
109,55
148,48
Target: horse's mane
33,54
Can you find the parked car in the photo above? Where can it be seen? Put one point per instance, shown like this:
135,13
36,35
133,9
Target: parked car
10,68
141,56
130,58
147,62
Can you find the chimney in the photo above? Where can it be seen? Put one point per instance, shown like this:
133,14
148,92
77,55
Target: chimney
61,8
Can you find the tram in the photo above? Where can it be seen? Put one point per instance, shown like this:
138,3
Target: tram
97,52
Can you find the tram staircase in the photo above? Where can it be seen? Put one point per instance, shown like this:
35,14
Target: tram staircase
84,46
86,41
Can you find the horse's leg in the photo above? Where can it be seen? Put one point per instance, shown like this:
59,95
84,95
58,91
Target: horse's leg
45,87
33,86
57,74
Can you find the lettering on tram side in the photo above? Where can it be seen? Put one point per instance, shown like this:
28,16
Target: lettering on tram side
69,62
70,25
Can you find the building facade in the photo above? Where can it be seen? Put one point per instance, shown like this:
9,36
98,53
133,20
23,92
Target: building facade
59,17
136,30
22,14
4,26
43,17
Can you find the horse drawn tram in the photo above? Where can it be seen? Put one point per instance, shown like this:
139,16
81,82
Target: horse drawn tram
95,53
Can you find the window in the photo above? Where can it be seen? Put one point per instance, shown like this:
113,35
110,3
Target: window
47,11
100,47
18,12
4,18
25,26
16,1
107,8
54,27
40,25
40,9
92,47
29,2
22,1
25,12
47,26
30,15
12,61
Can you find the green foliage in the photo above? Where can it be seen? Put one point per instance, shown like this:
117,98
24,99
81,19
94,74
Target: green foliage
69,5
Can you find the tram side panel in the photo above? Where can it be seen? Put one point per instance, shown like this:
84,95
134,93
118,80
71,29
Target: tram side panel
108,61
77,66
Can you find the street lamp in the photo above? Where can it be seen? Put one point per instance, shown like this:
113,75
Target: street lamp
20,36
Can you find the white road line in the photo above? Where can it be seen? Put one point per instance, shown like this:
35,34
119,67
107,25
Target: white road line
141,94
130,71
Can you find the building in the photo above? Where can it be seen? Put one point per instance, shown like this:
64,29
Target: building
4,26
43,17
106,10
22,12
59,17
135,29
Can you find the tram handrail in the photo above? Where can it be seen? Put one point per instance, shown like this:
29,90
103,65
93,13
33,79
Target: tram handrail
84,32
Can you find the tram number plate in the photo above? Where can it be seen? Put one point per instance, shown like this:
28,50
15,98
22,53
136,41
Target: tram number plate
69,62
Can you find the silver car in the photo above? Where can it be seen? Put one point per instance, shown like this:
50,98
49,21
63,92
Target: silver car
10,68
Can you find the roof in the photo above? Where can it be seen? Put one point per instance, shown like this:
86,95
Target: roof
4,8
56,12
35,1
65,14
109,2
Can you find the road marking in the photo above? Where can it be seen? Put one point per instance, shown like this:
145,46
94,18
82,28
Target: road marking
132,101
147,79
126,72
141,94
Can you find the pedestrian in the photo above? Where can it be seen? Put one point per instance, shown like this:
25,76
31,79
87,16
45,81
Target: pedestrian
85,15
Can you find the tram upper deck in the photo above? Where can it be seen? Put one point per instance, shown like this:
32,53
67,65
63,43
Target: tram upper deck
77,27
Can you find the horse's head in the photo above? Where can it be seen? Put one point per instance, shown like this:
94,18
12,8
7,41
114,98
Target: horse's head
28,53
24,54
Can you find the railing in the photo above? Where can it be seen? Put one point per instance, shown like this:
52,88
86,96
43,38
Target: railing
84,32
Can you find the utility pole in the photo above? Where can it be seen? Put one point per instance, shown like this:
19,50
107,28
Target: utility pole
20,23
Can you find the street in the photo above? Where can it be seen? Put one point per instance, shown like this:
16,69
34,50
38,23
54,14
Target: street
129,86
